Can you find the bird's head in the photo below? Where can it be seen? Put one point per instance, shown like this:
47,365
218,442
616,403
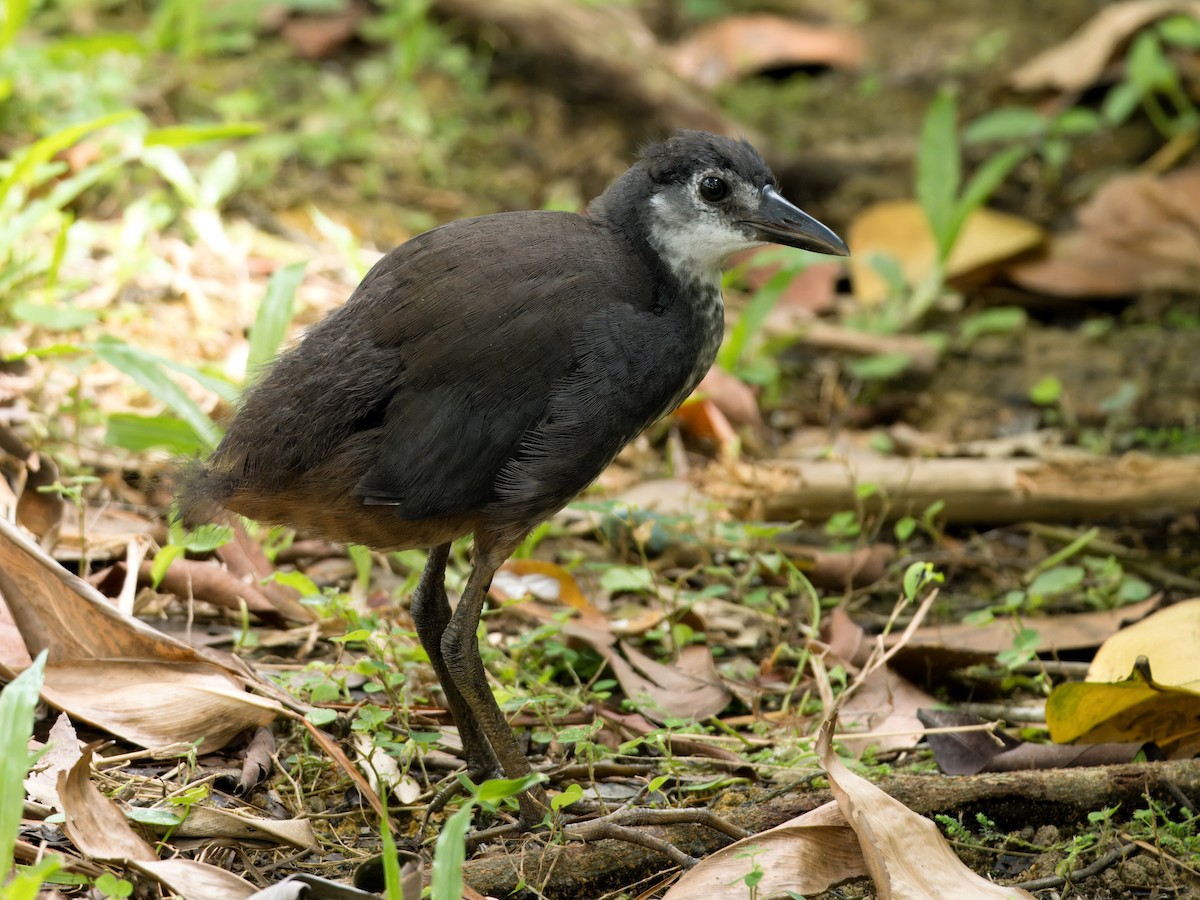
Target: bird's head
699,198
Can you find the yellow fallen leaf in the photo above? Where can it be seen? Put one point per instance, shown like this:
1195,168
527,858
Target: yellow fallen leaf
1168,638
1143,685
900,230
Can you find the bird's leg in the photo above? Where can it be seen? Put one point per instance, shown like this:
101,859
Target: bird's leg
431,613
460,646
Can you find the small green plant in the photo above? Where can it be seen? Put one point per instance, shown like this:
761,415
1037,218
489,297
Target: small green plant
1153,81
109,885
752,878
947,202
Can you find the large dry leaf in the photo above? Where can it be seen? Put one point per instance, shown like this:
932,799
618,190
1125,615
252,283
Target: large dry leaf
154,704
113,670
214,822
743,45
1071,631
97,827
806,855
1078,62
904,852
1138,233
899,229
1143,685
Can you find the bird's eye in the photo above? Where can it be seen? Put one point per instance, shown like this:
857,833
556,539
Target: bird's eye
713,188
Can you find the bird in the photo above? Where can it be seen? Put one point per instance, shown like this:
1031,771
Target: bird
484,373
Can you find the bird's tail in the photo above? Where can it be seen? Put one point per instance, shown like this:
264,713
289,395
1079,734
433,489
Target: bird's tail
201,491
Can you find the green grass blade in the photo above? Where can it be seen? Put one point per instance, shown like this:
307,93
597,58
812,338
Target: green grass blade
274,315
140,433
41,152
146,370
17,702
449,854
751,320
187,135
983,184
939,170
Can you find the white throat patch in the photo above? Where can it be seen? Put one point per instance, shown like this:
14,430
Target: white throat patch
693,238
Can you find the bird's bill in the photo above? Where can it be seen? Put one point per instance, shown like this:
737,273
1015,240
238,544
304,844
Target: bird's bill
781,222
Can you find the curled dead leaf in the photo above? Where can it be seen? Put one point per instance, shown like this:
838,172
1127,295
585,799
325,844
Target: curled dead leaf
738,46
1078,62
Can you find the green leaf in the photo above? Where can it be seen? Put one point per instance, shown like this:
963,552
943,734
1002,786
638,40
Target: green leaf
939,170
914,577
573,794
1078,121
880,366
27,881
1056,581
13,16
982,185
162,562
17,703
627,579
393,889
320,717
449,853
904,528
1047,392
1120,102
1179,31
495,790
1008,123
146,369
189,135
1148,67
274,315
140,433
298,580
207,538
997,320
59,317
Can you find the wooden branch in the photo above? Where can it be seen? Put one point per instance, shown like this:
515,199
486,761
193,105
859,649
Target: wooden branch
1065,487
1058,797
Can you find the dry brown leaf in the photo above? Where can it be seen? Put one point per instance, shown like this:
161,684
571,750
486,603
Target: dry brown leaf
22,472
153,704
1139,232
1075,631
1077,63
743,45
62,752
806,855
214,822
899,229
884,705
112,670
905,854
733,397
701,418
107,533
246,559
